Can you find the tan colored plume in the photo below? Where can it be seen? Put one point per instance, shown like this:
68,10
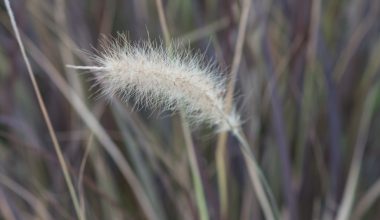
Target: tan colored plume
161,79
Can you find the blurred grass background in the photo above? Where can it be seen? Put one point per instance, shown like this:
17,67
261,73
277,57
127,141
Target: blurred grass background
307,89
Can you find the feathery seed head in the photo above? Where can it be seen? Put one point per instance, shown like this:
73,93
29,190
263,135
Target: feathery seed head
163,79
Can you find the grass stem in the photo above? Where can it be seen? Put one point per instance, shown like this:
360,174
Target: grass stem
45,114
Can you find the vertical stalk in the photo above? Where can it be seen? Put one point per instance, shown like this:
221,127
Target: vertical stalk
221,144
197,181
45,115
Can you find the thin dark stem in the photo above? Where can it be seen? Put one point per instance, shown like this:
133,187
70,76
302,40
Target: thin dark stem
335,130
279,129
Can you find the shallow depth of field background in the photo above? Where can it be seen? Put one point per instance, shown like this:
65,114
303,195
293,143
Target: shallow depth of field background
307,89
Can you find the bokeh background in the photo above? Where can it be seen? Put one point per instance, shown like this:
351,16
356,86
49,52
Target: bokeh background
307,89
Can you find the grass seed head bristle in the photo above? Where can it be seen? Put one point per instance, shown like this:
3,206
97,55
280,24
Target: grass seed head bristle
161,79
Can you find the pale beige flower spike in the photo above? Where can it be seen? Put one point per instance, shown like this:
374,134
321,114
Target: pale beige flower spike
161,80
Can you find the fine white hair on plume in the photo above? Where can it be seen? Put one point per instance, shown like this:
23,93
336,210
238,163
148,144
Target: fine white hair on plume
162,79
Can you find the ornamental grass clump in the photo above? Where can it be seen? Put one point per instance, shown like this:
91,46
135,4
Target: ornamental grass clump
162,79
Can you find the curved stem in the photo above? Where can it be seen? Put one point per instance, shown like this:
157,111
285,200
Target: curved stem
258,180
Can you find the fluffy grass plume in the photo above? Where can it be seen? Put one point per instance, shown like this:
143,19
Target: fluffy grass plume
162,79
